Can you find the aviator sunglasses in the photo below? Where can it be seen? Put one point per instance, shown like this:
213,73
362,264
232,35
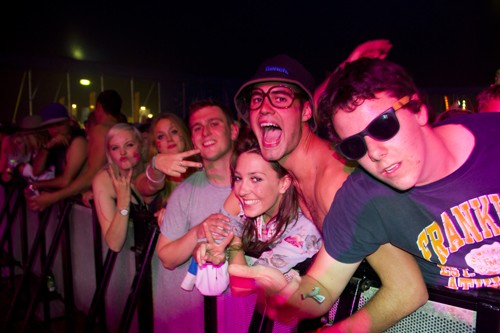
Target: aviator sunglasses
382,128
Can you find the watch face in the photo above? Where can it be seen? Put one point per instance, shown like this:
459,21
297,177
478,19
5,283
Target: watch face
124,211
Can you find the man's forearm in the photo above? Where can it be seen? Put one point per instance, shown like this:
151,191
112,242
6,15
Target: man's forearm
310,300
384,310
179,251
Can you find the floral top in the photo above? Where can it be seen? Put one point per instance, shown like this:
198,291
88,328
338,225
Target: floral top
300,241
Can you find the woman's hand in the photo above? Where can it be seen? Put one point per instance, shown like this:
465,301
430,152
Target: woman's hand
40,202
378,48
217,225
122,187
159,216
87,197
175,165
210,251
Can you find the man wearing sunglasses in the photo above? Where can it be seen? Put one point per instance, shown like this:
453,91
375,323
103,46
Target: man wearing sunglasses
277,102
432,191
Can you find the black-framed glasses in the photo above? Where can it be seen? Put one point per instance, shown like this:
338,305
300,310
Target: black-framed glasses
382,128
280,96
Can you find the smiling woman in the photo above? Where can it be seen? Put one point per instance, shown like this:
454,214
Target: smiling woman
269,227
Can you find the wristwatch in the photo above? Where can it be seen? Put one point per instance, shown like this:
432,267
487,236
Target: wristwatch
124,211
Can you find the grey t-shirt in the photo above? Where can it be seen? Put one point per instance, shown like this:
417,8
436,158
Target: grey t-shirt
177,310
191,202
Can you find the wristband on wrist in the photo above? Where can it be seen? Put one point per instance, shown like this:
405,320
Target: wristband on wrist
153,162
151,179
235,246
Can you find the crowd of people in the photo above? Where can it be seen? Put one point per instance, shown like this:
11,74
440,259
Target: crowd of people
285,205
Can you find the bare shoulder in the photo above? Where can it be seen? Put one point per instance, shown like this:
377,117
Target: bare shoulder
330,178
232,205
99,132
102,179
79,143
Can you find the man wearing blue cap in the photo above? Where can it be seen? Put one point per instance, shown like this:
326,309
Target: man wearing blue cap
278,104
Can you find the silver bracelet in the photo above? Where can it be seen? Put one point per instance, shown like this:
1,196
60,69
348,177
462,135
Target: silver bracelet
162,179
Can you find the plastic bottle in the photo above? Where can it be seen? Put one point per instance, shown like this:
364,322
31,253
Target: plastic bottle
51,283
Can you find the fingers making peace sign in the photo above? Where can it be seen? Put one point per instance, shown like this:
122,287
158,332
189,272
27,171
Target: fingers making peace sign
176,164
211,251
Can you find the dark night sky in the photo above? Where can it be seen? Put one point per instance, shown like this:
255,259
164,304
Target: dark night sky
443,43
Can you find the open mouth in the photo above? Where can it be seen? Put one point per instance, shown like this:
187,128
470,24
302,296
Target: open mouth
271,134
249,202
208,143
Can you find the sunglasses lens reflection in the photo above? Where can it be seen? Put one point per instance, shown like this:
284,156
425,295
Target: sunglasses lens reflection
382,128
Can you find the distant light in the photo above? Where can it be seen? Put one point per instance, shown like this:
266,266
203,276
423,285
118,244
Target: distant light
150,115
77,53
143,108
85,82
73,106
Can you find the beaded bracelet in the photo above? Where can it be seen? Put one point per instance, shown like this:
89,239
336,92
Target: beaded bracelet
151,179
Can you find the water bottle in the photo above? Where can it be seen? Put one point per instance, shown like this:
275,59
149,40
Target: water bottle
51,283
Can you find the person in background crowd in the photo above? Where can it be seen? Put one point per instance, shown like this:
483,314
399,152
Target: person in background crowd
213,132
488,100
89,123
65,151
20,148
5,130
5,135
107,113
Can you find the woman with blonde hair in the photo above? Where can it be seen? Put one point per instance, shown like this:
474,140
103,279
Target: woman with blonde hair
170,145
113,186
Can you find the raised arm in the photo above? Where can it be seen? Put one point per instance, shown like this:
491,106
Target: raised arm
112,194
40,163
76,156
378,48
152,180
96,159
